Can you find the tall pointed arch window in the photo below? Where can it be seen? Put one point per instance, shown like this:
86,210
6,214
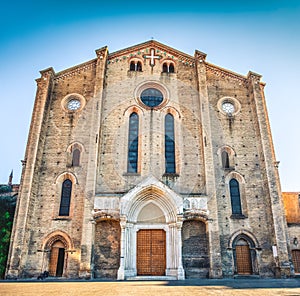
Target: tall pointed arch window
76,157
64,209
133,143
235,197
169,144
225,159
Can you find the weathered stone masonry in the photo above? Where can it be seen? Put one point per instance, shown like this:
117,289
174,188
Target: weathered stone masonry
210,187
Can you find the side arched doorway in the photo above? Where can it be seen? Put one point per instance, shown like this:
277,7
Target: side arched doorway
57,259
244,255
296,260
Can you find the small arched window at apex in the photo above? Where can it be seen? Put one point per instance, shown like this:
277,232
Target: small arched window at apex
76,157
168,68
139,66
135,66
165,68
132,66
171,68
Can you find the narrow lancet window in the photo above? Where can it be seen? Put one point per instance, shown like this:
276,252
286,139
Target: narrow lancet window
235,197
225,160
76,157
64,209
169,144
133,143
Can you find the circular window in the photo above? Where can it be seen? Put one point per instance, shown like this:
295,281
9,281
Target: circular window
73,104
228,107
152,97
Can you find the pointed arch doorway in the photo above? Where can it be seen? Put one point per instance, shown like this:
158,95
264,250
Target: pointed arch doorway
151,243
57,259
150,232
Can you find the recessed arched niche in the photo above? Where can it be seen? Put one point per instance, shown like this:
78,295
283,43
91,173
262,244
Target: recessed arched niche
151,213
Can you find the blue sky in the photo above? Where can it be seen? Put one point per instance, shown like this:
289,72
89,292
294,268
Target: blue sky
262,36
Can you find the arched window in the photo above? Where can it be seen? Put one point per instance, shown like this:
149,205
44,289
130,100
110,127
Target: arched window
169,144
135,66
133,143
76,157
225,160
235,197
168,68
139,66
65,200
171,68
165,68
132,66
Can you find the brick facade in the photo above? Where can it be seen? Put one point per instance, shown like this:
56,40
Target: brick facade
195,198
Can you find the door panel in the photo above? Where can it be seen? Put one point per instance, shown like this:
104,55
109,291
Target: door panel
296,260
151,252
243,260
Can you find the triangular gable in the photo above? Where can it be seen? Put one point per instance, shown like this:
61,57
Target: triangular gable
142,49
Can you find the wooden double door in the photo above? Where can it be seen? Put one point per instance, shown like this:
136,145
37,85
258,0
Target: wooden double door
296,260
57,259
151,252
243,260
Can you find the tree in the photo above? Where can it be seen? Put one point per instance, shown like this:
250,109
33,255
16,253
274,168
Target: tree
7,209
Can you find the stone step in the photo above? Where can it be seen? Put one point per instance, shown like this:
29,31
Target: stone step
152,278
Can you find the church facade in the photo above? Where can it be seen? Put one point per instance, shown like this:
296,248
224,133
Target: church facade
149,162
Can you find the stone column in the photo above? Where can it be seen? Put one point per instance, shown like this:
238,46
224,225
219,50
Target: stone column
93,249
180,270
121,271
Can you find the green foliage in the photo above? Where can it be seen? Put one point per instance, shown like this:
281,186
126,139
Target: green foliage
7,209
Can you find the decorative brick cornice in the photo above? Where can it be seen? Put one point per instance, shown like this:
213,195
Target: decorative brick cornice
220,72
106,214
200,56
101,52
73,71
45,76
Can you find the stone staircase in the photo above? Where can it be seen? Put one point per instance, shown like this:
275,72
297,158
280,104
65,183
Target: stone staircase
152,278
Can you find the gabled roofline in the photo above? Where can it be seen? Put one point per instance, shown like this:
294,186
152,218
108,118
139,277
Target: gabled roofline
152,43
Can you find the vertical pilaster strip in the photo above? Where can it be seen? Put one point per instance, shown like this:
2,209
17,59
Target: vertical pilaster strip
273,182
18,243
213,226
180,270
121,270
87,240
